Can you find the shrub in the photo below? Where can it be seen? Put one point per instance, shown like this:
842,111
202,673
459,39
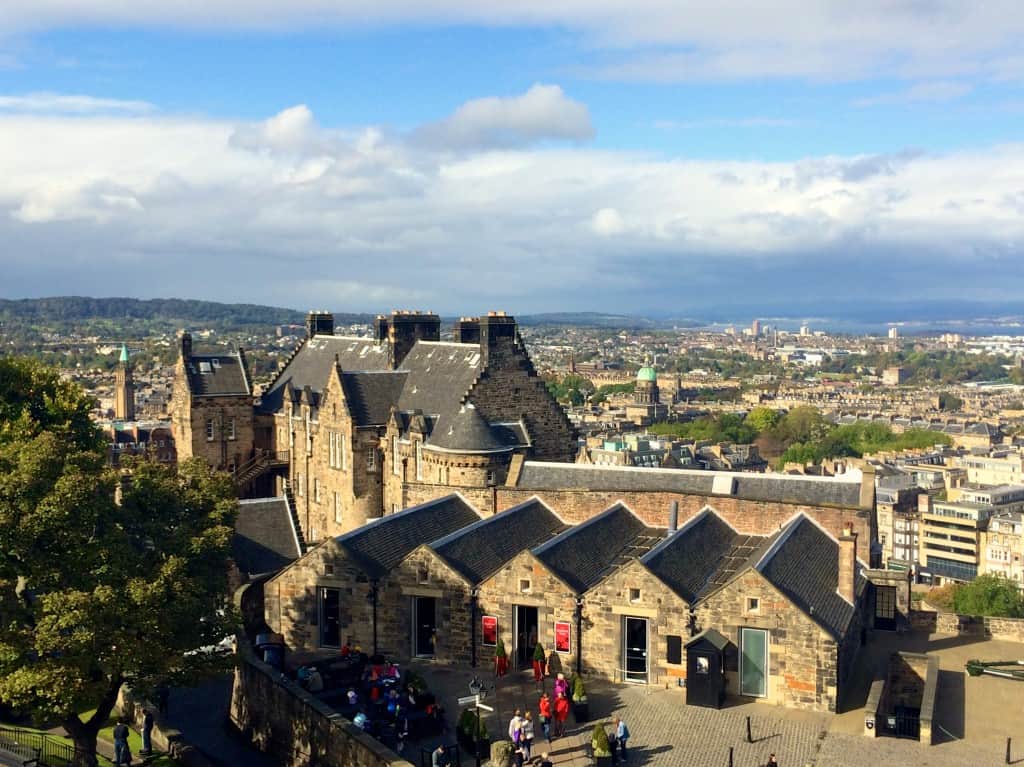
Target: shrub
579,692
538,652
599,741
499,651
468,725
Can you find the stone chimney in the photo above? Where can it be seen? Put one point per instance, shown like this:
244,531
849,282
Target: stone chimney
186,345
319,323
848,565
406,328
467,330
497,337
673,517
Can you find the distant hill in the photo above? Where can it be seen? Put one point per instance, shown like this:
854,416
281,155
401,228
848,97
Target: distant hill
585,319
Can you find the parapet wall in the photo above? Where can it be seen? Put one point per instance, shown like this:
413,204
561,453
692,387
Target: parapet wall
1005,629
283,719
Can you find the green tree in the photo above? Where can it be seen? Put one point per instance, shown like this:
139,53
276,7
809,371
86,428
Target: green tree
94,593
763,418
990,594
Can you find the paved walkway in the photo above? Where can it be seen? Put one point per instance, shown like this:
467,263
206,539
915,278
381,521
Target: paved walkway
974,717
201,715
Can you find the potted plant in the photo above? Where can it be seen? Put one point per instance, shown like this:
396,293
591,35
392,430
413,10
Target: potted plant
538,662
599,747
500,659
580,705
472,734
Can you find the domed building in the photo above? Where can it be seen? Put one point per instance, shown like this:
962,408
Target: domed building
646,407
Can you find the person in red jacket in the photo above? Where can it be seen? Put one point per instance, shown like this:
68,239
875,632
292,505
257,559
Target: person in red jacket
544,707
561,714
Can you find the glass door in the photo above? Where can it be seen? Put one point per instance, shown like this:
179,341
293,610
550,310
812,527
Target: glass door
754,662
634,650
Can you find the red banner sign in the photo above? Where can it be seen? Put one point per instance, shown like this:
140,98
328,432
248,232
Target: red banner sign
490,630
563,644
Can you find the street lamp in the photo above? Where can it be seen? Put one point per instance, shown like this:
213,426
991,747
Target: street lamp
473,594
578,615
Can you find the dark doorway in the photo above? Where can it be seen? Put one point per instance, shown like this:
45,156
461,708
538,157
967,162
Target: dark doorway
424,617
525,625
634,650
885,608
330,623
904,722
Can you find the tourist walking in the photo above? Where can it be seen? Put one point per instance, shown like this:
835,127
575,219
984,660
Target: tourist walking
561,685
544,707
514,725
772,761
526,736
621,735
561,714
122,755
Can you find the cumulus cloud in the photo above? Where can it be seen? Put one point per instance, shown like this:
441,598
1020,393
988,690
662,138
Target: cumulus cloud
61,103
287,212
543,112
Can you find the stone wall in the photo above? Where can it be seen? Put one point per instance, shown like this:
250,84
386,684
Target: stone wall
751,517
803,658
1005,629
616,597
554,600
280,718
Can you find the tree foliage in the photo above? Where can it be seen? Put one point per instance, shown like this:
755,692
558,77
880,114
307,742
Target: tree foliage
990,594
93,592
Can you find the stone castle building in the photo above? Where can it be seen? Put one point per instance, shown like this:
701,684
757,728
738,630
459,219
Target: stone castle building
354,428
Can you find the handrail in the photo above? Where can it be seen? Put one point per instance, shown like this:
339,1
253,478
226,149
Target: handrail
50,750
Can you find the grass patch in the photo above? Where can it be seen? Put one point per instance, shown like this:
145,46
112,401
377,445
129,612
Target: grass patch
134,742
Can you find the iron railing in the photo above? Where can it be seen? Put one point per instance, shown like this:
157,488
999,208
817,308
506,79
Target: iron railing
46,750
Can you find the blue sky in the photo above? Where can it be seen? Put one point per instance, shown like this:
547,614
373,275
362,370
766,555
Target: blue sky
381,155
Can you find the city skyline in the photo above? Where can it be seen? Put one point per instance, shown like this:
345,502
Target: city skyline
671,159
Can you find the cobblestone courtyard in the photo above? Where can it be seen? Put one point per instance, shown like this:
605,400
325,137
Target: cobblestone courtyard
976,716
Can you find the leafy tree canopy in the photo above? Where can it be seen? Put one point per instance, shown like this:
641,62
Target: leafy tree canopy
93,592
991,594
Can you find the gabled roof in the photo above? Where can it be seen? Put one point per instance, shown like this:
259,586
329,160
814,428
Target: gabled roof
440,375
832,491
804,565
485,546
688,559
217,374
586,553
383,543
372,394
265,540
710,636
313,360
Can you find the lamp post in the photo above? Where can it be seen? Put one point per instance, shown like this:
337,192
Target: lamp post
578,615
372,599
473,594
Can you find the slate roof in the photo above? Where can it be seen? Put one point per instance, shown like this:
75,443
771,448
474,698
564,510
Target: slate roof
485,546
383,543
217,374
264,540
370,395
440,375
804,565
712,637
313,360
688,559
583,555
817,491
465,431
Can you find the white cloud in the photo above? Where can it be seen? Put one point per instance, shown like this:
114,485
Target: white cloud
543,112
61,103
935,92
286,212
608,222
669,40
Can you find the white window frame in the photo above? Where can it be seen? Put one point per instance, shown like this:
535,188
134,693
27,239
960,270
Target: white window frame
371,459
396,466
232,434
419,461
342,459
211,429
316,490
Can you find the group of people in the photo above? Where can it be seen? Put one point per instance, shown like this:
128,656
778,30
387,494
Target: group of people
122,752
521,729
